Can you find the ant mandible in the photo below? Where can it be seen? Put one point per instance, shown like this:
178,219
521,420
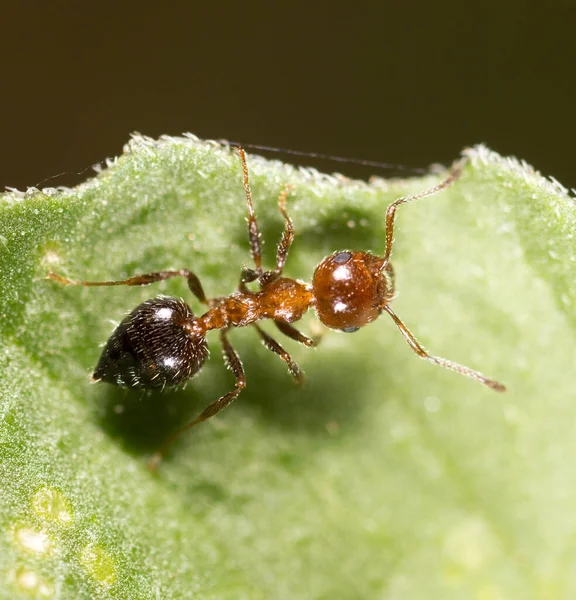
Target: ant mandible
162,343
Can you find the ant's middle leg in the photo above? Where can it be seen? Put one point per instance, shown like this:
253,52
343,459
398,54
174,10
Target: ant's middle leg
146,279
275,347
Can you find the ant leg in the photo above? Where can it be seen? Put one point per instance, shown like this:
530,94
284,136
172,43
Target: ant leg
253,231
193,281
455,173
288,233
275,347
294,334
233,361
448,364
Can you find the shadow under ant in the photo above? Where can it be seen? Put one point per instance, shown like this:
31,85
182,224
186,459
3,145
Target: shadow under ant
141,420
331,393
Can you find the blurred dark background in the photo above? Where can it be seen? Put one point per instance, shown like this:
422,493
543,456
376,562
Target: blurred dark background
402,82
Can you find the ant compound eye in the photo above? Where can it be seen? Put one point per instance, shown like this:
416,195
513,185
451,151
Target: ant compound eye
342,258
153,347
350,329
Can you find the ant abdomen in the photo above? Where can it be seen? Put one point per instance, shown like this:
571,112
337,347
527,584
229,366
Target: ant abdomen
351,289
153,347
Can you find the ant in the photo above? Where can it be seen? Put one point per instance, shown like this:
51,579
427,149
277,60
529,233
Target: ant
162,343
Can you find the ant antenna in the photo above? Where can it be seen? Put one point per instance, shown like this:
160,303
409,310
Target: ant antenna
454,174
443,362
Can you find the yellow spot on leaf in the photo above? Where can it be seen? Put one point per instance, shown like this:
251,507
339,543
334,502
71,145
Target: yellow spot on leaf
52,505
50,254
98,564
469,545
51,258
490,592
38,542
34,584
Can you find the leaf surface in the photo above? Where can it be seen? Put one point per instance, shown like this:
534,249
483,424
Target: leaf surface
383,477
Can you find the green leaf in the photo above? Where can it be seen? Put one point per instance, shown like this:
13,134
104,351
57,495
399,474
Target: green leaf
383,477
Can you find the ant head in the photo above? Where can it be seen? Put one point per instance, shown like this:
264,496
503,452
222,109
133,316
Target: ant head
351,289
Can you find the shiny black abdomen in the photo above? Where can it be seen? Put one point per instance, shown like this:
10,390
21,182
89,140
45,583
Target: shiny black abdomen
152,347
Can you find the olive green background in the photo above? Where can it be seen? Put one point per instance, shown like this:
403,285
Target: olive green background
403,82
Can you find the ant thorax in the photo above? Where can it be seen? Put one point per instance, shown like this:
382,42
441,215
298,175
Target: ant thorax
281,299
351,289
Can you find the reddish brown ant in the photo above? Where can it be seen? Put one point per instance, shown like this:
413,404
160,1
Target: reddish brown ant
162,343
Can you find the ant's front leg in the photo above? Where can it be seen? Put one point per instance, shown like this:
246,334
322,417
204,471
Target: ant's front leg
285,241
146,279
288,233
272,345
293,333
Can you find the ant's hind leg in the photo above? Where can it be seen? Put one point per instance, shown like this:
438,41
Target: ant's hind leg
146,279
275,347
233,361
291,332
